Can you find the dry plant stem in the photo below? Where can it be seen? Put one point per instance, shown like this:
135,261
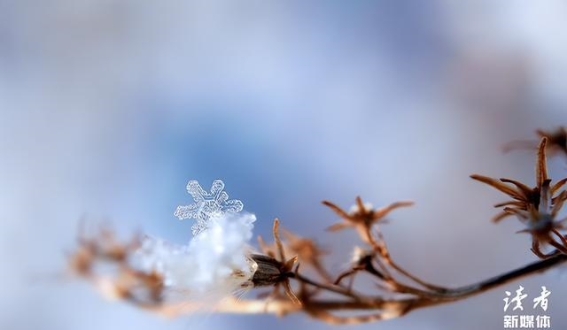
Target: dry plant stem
379,307
365,220
383,249
400,298
383,308
397,291
309,252
329,287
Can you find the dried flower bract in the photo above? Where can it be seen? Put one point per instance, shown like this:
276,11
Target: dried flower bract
537,208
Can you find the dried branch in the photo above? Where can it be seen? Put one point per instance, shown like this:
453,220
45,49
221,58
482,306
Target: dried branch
328,297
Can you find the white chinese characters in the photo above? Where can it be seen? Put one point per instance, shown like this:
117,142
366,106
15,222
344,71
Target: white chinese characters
542,299
517,299
526,321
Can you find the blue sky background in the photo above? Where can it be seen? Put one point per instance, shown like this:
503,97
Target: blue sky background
108,108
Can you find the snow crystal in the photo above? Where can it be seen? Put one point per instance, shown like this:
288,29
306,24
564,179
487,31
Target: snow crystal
207,205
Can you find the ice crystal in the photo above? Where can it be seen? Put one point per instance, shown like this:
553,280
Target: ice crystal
214,262
207,205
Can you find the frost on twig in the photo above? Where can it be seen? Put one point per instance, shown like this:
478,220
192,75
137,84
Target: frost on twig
207,205
152,273
220,260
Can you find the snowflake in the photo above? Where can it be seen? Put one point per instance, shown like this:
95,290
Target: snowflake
207,205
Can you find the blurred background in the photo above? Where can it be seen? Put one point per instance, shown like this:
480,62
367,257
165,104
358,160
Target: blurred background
108,108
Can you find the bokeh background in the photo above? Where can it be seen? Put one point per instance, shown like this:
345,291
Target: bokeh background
108,108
